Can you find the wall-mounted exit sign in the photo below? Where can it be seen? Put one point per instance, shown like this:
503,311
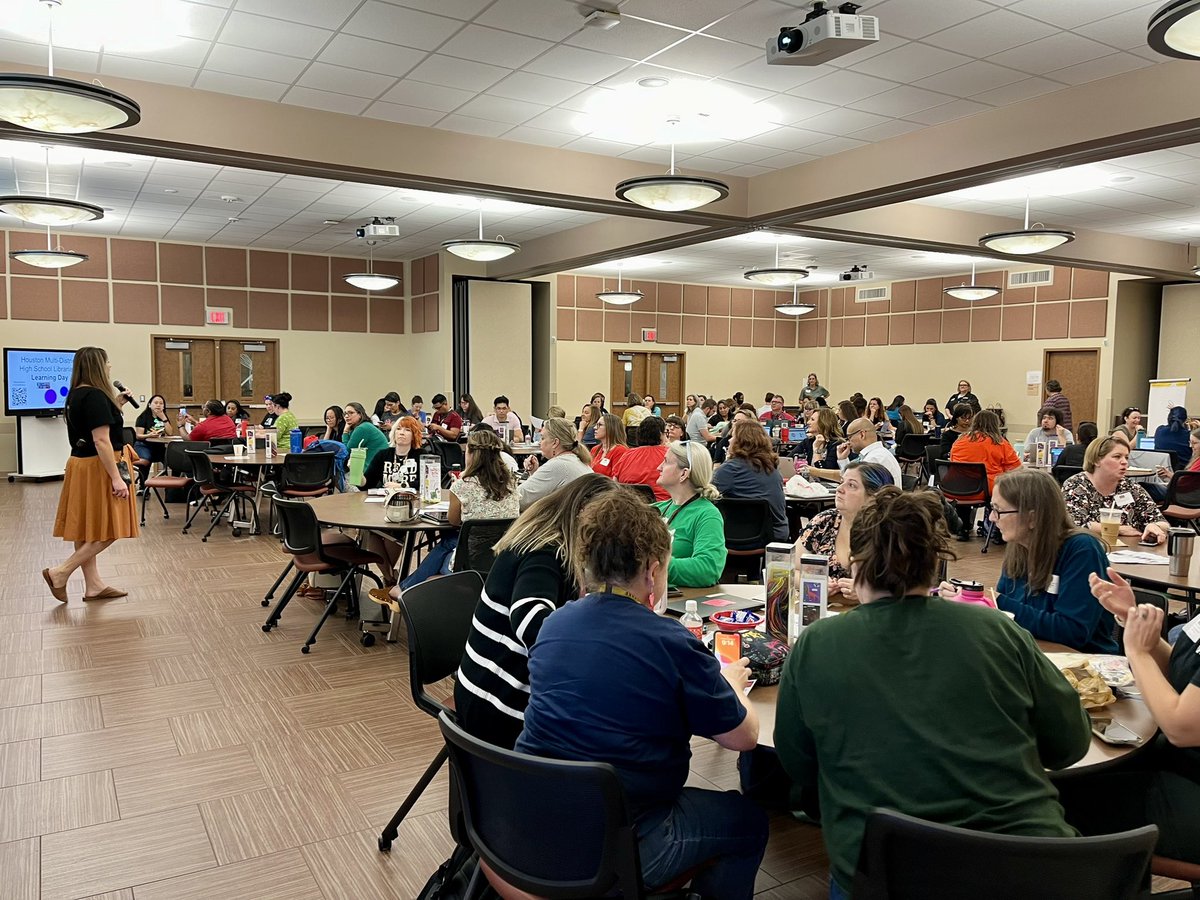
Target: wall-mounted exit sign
649,335
214,315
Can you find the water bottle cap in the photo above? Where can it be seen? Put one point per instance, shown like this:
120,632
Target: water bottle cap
690,606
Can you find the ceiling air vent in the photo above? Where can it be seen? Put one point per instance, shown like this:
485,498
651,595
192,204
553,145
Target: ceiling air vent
875,292
1031,277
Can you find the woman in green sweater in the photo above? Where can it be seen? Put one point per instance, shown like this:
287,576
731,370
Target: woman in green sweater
697,529
362,432
287,419
941,710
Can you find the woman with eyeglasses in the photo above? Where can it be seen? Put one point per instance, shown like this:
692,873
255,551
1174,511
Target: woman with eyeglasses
697,529
1047,565
964,395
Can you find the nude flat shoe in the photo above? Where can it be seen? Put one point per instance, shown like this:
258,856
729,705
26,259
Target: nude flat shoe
59,593
109,593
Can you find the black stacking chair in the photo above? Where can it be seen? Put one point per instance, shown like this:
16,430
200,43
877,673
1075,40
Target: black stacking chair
477,539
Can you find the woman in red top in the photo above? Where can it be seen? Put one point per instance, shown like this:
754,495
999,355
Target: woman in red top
985,444
610,432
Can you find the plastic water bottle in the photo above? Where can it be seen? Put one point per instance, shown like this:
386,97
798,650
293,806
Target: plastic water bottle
297,440
691,620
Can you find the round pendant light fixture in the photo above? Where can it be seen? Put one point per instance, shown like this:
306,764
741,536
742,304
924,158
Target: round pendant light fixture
777,275
672,192
795,308
50,258
1174,29
50,210
482,249
619,297
1035,239
62,105
971,291
369,280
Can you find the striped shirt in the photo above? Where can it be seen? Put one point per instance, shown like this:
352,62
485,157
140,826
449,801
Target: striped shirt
1063,405
520,592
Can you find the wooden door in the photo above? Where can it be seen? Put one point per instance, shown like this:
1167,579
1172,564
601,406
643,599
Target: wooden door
1078,371
248,370
658,374
185,370
665,377
628,375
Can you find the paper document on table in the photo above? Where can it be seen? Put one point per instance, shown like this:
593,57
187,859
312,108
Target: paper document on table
375,500
1137,558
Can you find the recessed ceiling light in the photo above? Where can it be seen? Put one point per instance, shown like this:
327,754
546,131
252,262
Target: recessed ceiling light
170,191
653,81
230,198
683,111
1122,179
332,222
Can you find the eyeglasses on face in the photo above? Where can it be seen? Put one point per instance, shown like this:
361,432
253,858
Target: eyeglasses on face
997,512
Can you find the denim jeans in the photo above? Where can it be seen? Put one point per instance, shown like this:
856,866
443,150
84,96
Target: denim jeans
436,562
702,826
835,890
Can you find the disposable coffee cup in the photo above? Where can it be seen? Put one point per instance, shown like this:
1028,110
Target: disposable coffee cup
1110,527
239,449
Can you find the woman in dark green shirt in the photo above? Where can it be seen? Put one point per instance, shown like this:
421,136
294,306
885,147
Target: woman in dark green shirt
362,432
941,710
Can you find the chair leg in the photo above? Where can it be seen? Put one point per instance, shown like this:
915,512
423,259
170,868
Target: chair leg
161,502
220,514
270,595
392,830
200,504
329,607
273,618
145,491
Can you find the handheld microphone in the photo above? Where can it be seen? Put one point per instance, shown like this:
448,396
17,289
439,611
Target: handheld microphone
120,387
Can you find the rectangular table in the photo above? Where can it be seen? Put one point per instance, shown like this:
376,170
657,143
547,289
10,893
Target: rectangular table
1159,578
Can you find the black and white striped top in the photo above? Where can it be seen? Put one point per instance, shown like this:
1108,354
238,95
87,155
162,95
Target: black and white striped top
520,592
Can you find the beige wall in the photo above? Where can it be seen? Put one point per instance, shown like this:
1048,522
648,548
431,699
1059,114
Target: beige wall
1179,336
1135,346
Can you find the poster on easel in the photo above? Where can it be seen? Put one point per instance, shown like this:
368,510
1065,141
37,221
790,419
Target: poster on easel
1164,393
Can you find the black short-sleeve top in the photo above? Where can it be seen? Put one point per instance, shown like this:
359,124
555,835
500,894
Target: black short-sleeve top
88,408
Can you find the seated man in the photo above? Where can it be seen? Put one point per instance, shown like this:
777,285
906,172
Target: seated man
610,681
697,422
639,465
217,426
777,413
504,421
1050,432
446,424
862,443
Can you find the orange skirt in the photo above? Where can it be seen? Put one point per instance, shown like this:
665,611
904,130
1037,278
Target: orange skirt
87,509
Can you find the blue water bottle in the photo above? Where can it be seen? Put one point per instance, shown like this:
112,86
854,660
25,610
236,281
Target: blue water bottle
297,440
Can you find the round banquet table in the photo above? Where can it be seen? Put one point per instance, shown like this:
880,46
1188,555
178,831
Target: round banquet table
1159,578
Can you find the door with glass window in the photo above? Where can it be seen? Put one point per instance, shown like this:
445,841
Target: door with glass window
189,372
658,374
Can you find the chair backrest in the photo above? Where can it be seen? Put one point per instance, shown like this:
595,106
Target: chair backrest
476,542
1062,473
905,858
912,447
176,458
438,616
129,436
908,482
306,471
554,828
449,452
748,523
1184,490
299,527
961,482
202,468
645,490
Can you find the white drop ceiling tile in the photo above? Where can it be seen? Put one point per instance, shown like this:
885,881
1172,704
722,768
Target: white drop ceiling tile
1019,90
844,121
653,155
756,23
599,146
467,125
791,110
846,87
834,145
581,102
886,43
370,56
458,73
321,13
1042,56
788,139
890,129
910,62
527,135
956,109
707,56
973,78
919,18
789,159
575,64
409,27
459,9
991,33
498,109
1073,13
740,153
23,52
777,78
549,19
255,64
499,48
748,171
536,88
1095,69
1125,31
340,80
240,86
273,35
427,96
203,21
404,115
631,39
902,101
689,14
147,70
710,166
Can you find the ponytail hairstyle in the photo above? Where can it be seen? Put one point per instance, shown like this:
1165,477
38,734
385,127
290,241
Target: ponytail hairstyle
897,541
564,432
694,457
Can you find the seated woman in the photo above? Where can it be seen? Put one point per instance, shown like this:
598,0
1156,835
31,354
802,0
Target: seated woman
565,458
1173,437
236,411
362,432
486,490
908,424
286,419
697,529
635,411
335,424
398,466
893,410
649,402
534,574
585,425
828,534
612,682
470,412
154,421
861,715
751,472
611,446
1160,786
824,434
1102,485
1045,582
879,417
846,413
958,426
985,444
932,420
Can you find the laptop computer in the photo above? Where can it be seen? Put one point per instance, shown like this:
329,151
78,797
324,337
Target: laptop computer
796,435
715,602
1146,442
1055,453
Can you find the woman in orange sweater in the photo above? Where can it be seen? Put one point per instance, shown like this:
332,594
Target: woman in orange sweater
985,444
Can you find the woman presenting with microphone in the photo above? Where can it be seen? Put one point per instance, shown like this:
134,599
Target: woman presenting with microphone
96,505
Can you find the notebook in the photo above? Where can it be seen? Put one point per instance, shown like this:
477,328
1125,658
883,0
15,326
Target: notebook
712,603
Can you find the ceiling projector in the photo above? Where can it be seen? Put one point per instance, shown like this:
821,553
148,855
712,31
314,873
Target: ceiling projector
856,273
379,229
822,36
